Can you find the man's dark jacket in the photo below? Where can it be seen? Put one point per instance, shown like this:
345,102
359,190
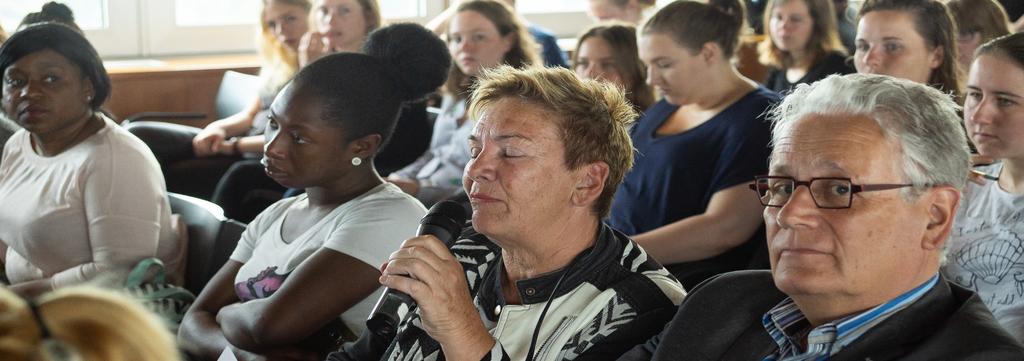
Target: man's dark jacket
721,320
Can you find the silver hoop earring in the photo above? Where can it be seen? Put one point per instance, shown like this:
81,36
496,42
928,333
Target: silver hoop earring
356,161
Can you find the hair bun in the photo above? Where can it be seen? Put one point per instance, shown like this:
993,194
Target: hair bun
416,58
57,10
734,8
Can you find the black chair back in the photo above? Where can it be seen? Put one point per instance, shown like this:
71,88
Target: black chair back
211,238
235,93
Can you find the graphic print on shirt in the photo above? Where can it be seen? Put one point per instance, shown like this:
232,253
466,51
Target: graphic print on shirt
993,258
263,285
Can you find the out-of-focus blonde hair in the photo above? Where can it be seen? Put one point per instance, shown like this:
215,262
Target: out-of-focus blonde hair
84,323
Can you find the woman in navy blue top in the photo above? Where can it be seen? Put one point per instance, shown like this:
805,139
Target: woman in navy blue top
685,200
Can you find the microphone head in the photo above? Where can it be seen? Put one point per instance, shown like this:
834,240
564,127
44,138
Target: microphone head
448,215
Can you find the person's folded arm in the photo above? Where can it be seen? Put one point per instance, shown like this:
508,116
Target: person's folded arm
32,289
309,298
199,331
732,216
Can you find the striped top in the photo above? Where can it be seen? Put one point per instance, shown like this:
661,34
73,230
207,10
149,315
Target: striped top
785,321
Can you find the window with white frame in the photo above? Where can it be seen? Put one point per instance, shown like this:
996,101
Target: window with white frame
550,6
223,26
142,28
89,14
146,28
565,18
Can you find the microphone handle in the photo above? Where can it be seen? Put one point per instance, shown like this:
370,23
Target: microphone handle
393,305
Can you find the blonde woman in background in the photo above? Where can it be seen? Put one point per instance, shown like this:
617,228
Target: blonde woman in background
609,52
81,323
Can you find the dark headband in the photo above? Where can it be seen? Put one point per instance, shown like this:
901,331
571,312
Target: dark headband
39,320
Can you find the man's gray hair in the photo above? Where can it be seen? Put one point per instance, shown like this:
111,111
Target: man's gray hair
923,121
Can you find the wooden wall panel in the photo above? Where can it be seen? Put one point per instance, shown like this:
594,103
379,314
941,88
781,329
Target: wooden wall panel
746,58
183,85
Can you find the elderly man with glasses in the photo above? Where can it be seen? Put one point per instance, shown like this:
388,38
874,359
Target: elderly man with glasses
863,184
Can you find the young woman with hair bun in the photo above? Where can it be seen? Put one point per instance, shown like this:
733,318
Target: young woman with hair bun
686,201
304,274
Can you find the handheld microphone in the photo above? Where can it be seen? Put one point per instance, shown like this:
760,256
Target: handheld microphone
444,221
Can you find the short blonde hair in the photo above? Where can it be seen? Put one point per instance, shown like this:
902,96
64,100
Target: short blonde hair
89,323
592,116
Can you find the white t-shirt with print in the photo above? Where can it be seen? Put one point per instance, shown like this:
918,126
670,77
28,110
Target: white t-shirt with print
986,250
368,228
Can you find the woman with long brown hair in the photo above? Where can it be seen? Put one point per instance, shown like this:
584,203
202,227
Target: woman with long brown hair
609,52
802,45
909,39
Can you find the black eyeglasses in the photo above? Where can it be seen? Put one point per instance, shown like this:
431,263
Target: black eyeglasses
827,193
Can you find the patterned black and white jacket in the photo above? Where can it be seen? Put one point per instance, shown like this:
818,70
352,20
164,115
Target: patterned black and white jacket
614,297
